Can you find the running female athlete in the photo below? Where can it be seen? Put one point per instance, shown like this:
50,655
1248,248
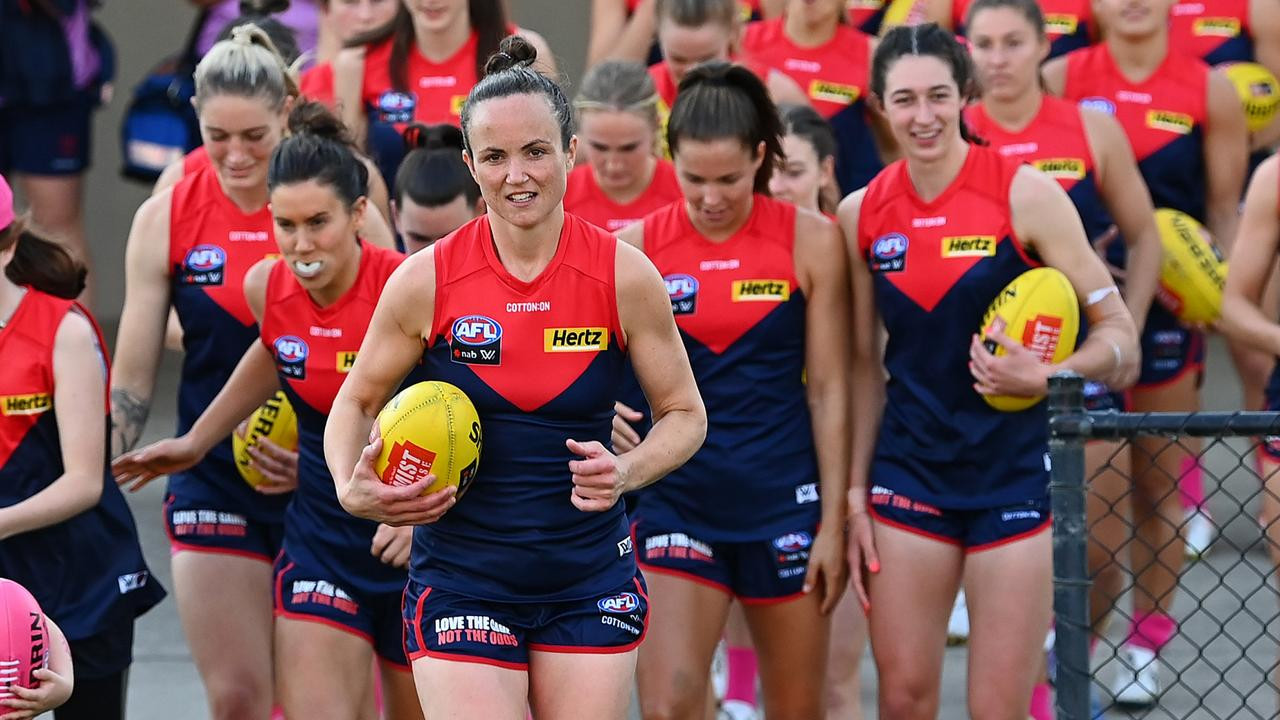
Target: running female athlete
1069,24
338,579
1187,131
759,291
623,179
190,247
528,584
434,192
66,533
935,237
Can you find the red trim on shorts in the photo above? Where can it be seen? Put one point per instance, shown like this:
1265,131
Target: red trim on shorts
645,567
417,625
771,600
592,649
326,621
1197,366
1012,538
451,657
914,530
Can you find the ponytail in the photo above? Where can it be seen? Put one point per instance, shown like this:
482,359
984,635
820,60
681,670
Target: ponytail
44,265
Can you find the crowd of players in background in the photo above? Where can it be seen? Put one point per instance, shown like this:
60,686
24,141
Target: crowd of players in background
691,161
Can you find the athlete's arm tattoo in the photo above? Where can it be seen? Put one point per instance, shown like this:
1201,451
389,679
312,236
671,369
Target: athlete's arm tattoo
128,416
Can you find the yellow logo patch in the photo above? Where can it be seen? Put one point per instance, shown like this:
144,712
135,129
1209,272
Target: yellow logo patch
1216,26
834,92
1061,168
969,246
33,404
579,339
346,358
864,4
455,104
1174,122
761,291
1060,24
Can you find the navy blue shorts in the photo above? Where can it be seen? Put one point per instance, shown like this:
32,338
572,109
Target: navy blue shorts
194,526
312,594
448,625
1269,449
1169,350
1099,397
761,571
52,140
972,530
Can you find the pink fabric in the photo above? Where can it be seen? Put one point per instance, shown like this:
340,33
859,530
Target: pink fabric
6,204
1041,702
1191,484
1151,630
742,675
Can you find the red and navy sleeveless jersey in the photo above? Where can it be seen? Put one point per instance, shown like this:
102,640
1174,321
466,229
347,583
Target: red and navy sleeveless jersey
87,572
314,348
936,266
542,361
741,314
317,84
584,198
212,244
1067,23
835,76
1216,31
1164,117
1055,143
195,160
867,15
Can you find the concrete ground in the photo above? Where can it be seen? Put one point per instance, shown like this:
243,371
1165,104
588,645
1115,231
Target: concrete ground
1231,588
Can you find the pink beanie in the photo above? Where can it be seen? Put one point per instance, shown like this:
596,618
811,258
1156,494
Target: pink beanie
6,204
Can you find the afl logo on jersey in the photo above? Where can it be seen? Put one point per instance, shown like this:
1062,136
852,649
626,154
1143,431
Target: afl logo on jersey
476,340
1098,104
620,604
793,542
396,107
888,253
204,265
683,291
291,356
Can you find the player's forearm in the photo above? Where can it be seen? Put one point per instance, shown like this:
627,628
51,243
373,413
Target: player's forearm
675,436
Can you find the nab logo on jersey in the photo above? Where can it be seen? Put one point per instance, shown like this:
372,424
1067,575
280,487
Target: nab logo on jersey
204,265
291,356
888,253
683,291
1098,104
396,107
619,604
476,340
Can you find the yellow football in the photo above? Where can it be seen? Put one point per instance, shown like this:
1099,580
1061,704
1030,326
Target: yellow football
1192,273
276,422
429,428
1039,309
1259,91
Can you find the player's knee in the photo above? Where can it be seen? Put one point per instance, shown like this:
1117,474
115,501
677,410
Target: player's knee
681,696
907,698
237,696
991,705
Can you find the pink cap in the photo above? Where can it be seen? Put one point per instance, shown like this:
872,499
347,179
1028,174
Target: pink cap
6,204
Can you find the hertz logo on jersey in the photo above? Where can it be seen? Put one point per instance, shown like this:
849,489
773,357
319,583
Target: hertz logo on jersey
761,291
455,104
581,339
32,404
1174,122
1216,26
1061,168
969,246
346,358
834,92
1061,24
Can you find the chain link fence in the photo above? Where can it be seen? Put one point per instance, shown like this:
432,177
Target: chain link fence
1125,583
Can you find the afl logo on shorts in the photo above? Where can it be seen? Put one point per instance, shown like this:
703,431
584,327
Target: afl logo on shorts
291,356
1099,104
396,107
620,604
888,253
793,542
683,291
204,265
476,340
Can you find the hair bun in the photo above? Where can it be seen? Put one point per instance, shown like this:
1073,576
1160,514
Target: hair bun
313,118
514,51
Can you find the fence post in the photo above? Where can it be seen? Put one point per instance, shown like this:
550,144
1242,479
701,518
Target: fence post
1068,429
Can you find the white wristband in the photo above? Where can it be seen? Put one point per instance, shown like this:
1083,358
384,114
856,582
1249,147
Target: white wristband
1115,350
